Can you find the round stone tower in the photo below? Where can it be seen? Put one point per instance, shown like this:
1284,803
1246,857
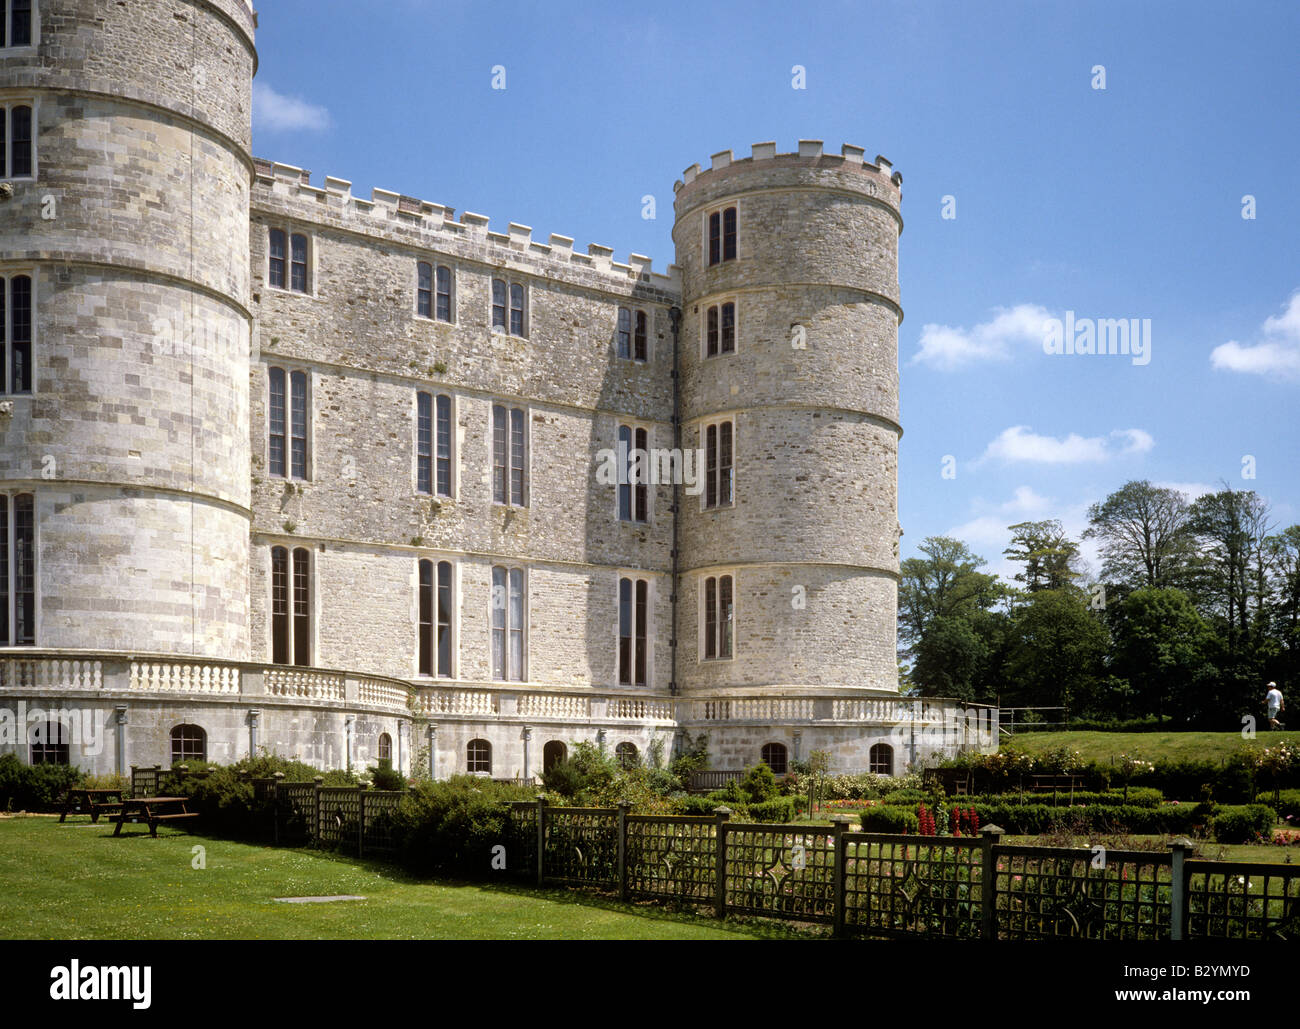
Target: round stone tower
131,437
789,373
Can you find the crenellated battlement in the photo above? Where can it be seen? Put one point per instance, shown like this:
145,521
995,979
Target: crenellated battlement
810,153
392,208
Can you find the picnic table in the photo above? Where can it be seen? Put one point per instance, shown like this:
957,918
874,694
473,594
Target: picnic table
153,810
91,802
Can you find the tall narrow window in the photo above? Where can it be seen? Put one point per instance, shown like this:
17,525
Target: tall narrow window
278,254
20,24
424,289
719,475
276,421
711,332
290,606
499,304
509,455
16,334
442,411
715,237
423,443
435,618
508,624
634,460
641,346
624,332
17,156
720,329
17,570
385,749
298,265
718,617
444,293
729,234
728,341
517,322
298,424
633,631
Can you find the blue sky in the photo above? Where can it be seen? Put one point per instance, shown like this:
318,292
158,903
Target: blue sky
1125,202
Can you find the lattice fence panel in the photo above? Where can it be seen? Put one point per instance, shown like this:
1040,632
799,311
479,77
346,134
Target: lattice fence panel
1050,894
295,812
781,873
671,857
379,807
521,839
340,810
1247,902
144,782
912,886
581,846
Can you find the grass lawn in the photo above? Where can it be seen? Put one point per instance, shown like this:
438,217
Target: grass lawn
1150,746
66,882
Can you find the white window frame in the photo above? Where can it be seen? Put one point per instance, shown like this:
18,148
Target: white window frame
718,302
289,369
702,591
702,443
454,477
704,233
525,614
635,576
7,106
12,51
437,559
435,262
649,487
510,405
291,544
10,586
289,232
7,275
527,311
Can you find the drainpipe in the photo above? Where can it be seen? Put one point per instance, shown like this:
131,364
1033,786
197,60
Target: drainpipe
675,316
119,726
253,717
433,751
347,726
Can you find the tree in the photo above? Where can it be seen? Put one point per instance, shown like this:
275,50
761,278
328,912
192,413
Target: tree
946,582
948,659
1057,649
1050,557
1143,534
1231,526
1284,562
1160,643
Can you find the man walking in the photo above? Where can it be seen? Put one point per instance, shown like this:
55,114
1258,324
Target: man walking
1275,705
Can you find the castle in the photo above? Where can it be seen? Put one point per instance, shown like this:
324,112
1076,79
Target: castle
286,468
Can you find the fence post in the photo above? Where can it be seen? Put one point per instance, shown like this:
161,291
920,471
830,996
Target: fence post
276,779
839,826
720,816
361,818
1180,888
315,817
541,838
989,836
623,808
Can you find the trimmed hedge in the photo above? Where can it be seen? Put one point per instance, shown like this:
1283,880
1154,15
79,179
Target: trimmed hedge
1288,803
1243,823
889,818
1138,796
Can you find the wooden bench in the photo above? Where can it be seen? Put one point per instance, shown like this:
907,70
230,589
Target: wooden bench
91,802
153,810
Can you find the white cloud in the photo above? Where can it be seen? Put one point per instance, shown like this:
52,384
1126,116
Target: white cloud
1020,443
947,348
279,113
988,535
1278,354
1192,490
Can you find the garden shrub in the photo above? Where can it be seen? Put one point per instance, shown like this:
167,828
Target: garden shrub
889,818
1287,806
385,777
778,809
34,787
450,827
1243,823
759,784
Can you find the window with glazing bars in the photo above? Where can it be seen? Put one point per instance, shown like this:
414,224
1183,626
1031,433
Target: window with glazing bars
722,236
508,625
16,29
17,153
719,476
16,334
634,470
720,330
633,631
290,606
17,570
509,456
435,618
287,423
718,617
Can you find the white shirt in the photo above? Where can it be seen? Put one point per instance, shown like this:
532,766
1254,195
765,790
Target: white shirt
1274,697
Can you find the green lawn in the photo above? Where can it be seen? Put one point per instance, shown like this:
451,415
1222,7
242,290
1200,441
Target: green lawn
65,882
1150,746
